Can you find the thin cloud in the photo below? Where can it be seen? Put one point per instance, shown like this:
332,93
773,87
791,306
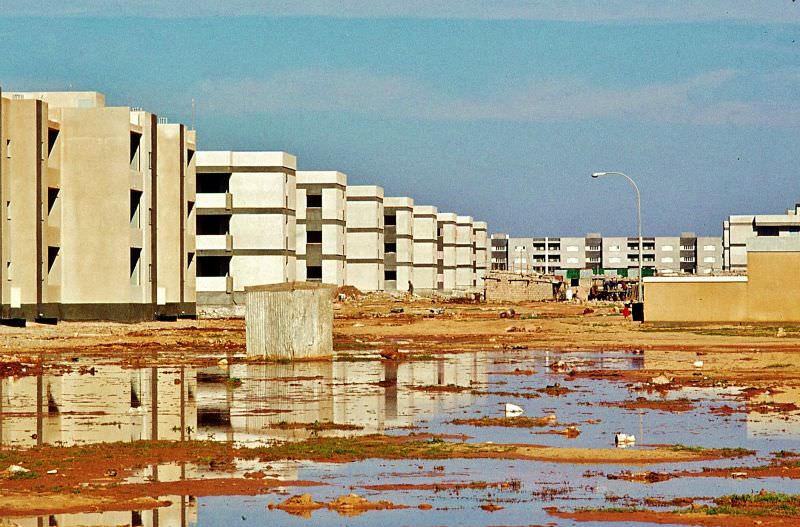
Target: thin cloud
696,100
607,11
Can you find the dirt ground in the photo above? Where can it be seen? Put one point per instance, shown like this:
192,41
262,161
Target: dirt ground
754,354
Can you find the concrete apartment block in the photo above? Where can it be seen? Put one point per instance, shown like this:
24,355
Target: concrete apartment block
446,251
365,259
425,275
245,222
740,228
321,230
398,243
89,173
573,253
482,247
465,253
709,254
499,252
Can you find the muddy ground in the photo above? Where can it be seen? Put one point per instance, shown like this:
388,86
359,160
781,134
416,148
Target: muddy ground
762,358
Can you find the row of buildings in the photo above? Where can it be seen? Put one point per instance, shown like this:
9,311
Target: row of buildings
260,220
112,213
687,253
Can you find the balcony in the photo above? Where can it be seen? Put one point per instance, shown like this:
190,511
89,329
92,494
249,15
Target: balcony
214,284
220,201
214,242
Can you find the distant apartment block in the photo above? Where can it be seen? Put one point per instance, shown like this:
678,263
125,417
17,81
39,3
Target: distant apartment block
85,191
321,228
245,222
365,257
446,251
736,230
498,255
398,243
482,249
687,253
425,257
465,253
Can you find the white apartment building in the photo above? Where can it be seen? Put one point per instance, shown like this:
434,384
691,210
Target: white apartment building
446,251
425,257
365,258
398,242
245,222
321,238
482,249
465,253
736,230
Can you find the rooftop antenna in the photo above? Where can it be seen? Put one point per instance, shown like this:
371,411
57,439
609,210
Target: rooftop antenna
193,113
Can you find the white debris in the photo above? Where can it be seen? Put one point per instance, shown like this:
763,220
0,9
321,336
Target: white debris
513,410
54,471
660,380
624,440
16,469
698,364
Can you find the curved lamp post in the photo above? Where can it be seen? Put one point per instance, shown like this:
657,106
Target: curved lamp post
596,175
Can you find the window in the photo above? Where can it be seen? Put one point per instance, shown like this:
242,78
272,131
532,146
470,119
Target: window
189,208
314,201
8,148
709,248
709,259
52,196
213,265
667,248
314,237
212,183
390,247
314,273
390,275
389,219
614,260
614,248
687,247
52,254
213,225
667,259
572,260
135,259
136,200
572,248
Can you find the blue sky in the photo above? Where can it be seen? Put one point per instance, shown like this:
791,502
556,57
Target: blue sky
498,110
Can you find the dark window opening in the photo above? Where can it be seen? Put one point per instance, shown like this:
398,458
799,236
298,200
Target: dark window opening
390,247
136,141
314,201
136,255
314,237
189,259
389,219
189,207
314,272
390,275
136,200
52,196
189,156
52,254
213,183
52,136
213,265
214,224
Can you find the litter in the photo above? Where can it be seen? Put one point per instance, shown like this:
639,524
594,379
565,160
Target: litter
698,364
513,410
624,440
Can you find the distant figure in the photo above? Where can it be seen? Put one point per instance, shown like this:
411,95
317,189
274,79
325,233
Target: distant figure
626,312
410,288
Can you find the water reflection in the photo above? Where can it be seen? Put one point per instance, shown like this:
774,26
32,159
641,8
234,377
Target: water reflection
244,403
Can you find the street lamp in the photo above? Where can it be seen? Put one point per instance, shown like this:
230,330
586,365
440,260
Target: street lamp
596,175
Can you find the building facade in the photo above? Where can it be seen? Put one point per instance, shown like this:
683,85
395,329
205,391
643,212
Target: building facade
83,191
425,257
245,222
446,251
321,228
398,243
465,253
482,249
365,243
736,230
499,252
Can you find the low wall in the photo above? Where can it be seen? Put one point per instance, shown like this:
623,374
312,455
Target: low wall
516,287
695,299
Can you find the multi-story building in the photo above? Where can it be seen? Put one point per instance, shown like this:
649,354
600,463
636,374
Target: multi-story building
549,255
365,259
84,186
499,252
398,243
425,270
465,253
245,222
482,249
446,251
321,231
736,230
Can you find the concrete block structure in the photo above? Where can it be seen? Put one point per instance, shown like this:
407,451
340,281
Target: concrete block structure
83,188
499,252
482,247
365,260
321,231
245,222
398,243
769,293
446,251
736,230
465,253
425,270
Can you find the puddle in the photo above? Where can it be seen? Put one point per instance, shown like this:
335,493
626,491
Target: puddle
259,404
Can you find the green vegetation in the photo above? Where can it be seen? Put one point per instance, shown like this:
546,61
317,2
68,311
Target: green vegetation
723,452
